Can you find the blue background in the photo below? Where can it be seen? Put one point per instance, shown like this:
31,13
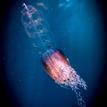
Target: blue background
78,31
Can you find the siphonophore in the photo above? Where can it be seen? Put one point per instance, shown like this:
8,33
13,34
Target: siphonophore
55,63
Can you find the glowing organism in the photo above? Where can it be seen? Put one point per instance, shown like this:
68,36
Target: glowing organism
55,63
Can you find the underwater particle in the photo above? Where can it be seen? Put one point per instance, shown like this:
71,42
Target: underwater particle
65,4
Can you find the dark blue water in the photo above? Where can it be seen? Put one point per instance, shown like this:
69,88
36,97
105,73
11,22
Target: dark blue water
77,31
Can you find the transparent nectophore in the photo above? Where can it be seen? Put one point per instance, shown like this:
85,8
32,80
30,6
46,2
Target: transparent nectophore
55,63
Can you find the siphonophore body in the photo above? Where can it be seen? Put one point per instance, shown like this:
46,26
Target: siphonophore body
55,63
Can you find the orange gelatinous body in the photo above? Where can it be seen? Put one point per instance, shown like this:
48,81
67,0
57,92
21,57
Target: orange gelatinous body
57,67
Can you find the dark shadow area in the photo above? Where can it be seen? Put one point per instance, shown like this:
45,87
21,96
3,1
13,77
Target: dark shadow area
100,96
6,95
